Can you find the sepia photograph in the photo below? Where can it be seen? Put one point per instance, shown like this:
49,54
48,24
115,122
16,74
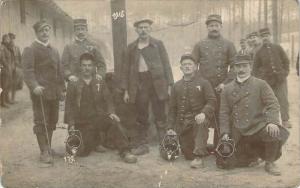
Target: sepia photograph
149,94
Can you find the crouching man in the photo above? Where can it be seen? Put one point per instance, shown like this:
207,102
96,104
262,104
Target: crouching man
249,114
89,109
192,106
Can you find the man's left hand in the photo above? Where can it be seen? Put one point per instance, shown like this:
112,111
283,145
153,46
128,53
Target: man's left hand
273,130
98,77
114,117
200,118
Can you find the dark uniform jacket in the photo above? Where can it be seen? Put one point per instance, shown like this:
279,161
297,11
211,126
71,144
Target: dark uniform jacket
42,67
7,61
102,99
214,57
189,98
157,60
72,53
247,107
271,64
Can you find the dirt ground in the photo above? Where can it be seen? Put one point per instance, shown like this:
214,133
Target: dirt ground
19,154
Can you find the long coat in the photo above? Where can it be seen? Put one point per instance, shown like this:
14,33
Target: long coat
101,96
246,108
42,67
189,98
72,53
157,60
214,57
271,64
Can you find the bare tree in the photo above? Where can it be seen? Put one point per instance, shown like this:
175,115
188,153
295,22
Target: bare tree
275,20
266,13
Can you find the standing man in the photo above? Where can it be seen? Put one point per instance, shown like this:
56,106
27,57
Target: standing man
147,77
17,76
90,109
249,114
214,56
192,104
44,78
72,52
243,45
254,42
272,65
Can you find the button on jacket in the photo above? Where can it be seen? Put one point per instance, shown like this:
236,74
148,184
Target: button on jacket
247,107
214,57
189,98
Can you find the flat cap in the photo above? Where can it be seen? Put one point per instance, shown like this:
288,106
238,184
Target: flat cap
213,17
40,25
136,23
187,56
241,59
80,21
264,31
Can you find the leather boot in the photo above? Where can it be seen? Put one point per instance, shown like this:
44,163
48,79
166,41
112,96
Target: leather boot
45,157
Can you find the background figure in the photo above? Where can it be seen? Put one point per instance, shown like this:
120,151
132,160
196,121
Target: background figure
6,72
17,73
272,65
243,45
147,77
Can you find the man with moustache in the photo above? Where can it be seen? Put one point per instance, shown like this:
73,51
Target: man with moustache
249,114
254,42
192,104
272,65
214,56
44,77
147,77
72,52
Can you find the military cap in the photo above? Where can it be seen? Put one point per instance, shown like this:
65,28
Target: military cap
241,59
12,36
213,17
264,31
41,24
187,56
80,21
87,56
253,34
136,23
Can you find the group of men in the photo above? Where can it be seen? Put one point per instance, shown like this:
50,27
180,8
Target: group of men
217,90
11,70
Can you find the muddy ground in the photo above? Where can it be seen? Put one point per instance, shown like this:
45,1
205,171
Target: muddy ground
19,154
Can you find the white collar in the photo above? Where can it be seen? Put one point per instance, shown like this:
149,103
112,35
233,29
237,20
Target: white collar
42,43
241,80
79,40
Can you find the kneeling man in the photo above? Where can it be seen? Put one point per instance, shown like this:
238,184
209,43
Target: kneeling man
192,105
249,114
89,109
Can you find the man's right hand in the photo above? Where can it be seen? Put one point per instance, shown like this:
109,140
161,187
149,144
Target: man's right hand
126,97
38,90
225,137
72,78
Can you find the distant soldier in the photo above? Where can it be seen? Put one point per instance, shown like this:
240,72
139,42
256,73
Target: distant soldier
249,114
17,73
214,56
243,45
272,65
6,72
90,109
72,52
192,104
44,78
147,77
254,42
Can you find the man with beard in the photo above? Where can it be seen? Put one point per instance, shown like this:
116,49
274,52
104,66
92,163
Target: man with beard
17,76
272,65
192,104
214,56
72,52
89,109
44,78
6,71
254,42
249,114
147,77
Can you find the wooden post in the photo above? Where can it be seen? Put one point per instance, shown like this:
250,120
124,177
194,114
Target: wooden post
119,32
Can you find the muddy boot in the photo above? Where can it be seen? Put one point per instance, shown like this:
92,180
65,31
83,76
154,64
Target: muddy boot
127,157
45,157
272,169
197,163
